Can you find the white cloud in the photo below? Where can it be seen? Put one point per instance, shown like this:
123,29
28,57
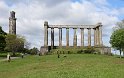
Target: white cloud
4,10
31,15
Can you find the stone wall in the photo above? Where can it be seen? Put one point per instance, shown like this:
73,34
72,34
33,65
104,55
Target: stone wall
102,50
43,50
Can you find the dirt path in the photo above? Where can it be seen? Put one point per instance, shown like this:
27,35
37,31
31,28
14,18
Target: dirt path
5,59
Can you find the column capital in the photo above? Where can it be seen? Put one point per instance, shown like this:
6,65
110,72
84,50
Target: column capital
46,23
59,27
74,28
52,27
88,28
81,28
94,28
99,24
67,27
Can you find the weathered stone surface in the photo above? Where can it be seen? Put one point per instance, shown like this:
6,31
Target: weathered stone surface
46,34
82,37
43,50
97,34
75,38
67,37
12,23
89,36
52,38
60,37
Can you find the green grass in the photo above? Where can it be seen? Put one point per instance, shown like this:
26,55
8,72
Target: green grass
72,66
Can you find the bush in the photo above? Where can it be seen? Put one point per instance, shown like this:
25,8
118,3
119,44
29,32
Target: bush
33,51
87,50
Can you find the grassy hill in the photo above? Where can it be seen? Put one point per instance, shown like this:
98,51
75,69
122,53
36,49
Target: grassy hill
72,66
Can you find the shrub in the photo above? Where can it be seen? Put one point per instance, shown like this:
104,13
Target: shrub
73,50
34,51
89,50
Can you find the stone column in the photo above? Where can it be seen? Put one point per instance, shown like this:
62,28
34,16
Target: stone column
97,36
67,37
52,38
46,34
75,38
82,37
60,37
89,36
94,36
100,34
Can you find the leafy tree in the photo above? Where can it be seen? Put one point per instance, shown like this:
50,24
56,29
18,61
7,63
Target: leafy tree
27,45
2,39
117,40
25,50
14,43
34,51
119,25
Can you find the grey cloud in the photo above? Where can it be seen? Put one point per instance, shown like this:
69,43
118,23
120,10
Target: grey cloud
50,3
30,18
47,3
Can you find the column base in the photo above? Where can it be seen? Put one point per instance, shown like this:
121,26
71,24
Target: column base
43,50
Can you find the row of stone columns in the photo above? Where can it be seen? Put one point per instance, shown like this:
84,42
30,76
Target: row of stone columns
97,36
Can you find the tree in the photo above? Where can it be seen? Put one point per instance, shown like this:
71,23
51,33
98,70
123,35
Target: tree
2,39
14,43
117,40
27,45
34,51
119,25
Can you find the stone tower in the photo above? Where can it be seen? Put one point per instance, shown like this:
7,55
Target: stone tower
12,23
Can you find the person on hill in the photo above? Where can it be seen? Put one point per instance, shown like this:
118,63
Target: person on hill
8,57
22,55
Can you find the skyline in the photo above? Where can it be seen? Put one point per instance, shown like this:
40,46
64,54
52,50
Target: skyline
31,15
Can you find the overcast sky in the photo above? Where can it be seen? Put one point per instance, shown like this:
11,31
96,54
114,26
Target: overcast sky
31,15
